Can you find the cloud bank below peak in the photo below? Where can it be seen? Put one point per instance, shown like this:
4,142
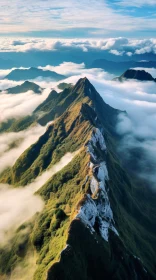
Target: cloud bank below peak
18,205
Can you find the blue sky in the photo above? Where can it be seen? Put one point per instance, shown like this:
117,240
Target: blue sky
78,18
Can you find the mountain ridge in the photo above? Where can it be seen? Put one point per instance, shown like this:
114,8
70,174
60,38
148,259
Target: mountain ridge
118,68
24,87
94,224
33,73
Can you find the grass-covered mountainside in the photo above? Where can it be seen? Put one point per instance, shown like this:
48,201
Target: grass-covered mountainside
33,73
140,75
96,223
26,86
54,106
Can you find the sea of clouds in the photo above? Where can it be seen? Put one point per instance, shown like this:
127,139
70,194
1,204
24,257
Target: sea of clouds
138,129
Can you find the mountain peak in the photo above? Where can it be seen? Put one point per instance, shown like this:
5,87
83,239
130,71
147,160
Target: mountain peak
28,83
83,81
85,88
33,73
140,75
24,87
33,68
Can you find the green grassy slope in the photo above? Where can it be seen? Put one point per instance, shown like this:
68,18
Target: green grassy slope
131,255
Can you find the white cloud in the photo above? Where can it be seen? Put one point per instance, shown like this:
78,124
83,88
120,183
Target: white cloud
18,205
60,15
66,68
129,53
117,46
20,141
5,84
72,69
117,52
19,105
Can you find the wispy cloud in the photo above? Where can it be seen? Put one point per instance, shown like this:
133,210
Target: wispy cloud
136,3
46,15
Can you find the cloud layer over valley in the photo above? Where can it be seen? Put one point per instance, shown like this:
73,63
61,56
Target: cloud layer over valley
138,130
18,205
20,105
13,144
137,98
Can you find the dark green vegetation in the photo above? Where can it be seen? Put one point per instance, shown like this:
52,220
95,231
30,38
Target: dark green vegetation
139,75
119,67
32,73
64,85
26,86
131,255
10,256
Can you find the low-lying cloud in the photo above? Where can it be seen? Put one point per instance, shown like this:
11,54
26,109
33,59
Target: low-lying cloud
13,144
137,98
74,69
138,130
5,84
18,205
20,105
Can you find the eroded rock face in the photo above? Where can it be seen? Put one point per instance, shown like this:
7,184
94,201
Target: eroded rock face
98,209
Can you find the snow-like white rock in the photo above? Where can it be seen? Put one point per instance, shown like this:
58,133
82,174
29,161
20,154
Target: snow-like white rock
98,137
94,185
88,212
90,150
103,172
100,207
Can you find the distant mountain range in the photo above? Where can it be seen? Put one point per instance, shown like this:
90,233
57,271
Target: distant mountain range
140,75
118,68
26,86
33,73
6,63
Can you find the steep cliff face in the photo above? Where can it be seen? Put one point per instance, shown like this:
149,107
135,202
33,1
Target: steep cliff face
98,243
94,224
